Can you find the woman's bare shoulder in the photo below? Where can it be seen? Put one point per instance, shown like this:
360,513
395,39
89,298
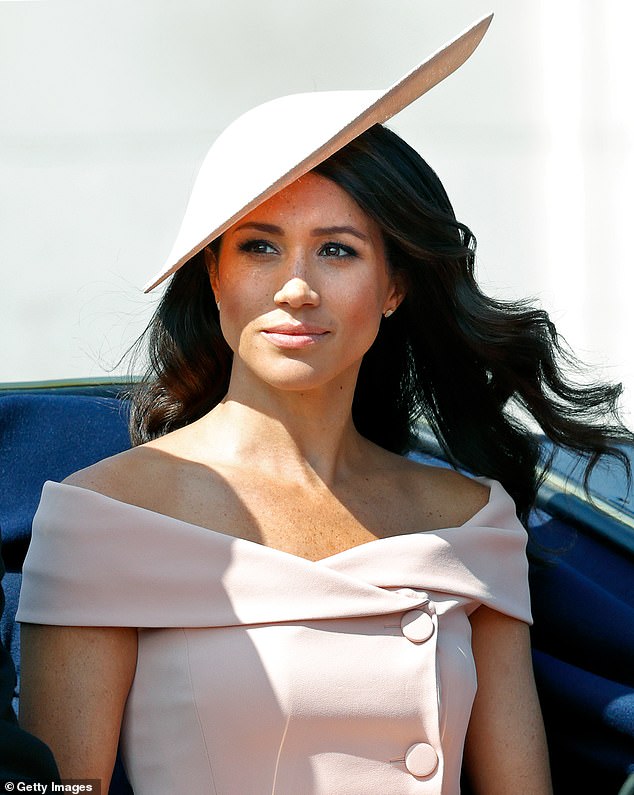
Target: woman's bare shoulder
126,476
446,497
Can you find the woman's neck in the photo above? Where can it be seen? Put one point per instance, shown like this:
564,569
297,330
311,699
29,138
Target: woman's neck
296,435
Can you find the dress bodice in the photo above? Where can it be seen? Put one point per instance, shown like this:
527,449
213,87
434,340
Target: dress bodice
262,672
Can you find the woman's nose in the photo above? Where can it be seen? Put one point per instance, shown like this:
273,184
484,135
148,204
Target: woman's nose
296,290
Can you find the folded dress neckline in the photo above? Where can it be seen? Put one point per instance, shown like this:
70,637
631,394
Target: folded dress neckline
350,550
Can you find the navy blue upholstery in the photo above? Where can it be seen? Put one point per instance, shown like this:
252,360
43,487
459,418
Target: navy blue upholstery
582,590
46,437
583,652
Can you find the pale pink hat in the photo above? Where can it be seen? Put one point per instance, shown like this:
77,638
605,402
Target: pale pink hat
270,146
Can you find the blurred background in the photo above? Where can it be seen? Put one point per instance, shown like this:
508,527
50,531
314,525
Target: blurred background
107,109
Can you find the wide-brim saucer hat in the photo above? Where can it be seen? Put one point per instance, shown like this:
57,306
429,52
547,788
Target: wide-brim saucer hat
272,145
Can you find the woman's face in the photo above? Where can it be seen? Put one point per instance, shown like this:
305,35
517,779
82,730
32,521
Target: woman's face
302,283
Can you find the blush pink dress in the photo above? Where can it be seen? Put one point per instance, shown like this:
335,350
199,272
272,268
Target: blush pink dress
262,673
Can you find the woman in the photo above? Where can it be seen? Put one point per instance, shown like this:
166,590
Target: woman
298,608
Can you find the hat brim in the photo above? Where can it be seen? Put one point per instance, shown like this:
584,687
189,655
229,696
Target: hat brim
272,145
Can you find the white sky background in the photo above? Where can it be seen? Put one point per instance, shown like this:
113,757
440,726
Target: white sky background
107,109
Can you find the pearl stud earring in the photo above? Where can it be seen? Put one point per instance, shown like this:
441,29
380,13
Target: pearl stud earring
388,313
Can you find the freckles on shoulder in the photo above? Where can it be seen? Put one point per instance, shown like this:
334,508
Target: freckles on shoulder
126,476
446,497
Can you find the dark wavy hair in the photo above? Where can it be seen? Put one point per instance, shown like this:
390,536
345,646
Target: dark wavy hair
476,369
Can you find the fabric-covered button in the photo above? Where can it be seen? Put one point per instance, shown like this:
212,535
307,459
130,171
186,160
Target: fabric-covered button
421,759
417,626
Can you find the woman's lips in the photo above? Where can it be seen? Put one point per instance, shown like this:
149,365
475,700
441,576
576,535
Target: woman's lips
295,336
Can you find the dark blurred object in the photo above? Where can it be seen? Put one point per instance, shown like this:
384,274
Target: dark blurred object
582,586
23,758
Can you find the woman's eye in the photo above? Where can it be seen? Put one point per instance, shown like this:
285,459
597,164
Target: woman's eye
337,250
258,247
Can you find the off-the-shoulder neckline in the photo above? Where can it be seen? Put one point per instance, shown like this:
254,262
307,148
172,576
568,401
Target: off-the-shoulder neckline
238,539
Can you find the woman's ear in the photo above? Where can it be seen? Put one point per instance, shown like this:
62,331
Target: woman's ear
396,294
211,263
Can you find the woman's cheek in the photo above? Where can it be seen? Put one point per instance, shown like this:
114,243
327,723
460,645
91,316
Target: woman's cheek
242,302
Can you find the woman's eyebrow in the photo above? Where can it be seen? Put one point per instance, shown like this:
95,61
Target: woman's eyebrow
271,228
338,230
317,232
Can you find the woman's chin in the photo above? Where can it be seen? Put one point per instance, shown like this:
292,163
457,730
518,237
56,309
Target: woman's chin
297,376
